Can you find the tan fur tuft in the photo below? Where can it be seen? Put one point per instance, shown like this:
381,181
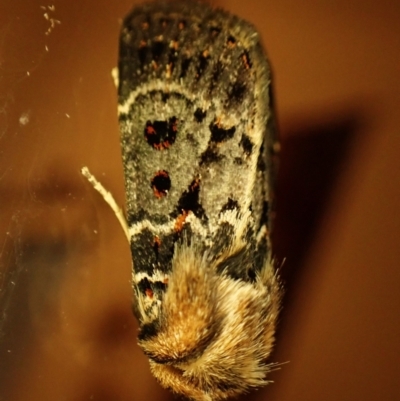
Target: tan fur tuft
188,312
216,332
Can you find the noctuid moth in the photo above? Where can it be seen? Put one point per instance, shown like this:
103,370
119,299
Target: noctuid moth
198,149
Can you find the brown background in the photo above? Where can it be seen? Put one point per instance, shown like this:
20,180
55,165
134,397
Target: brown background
66,330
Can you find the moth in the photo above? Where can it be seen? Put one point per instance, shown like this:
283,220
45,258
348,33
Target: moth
199,147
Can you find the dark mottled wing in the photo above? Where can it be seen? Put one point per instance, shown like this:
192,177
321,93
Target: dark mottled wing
197,134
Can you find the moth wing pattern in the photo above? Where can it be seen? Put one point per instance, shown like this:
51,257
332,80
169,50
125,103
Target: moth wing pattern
198,146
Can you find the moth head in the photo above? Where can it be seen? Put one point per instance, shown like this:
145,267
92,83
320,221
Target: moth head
209,336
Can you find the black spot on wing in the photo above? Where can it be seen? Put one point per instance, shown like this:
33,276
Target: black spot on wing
265,215
215,31
144,285
231,204
157,49
161,184
185,66
231,41
172,59
142,54
161,134
237,92
215,75
219,134
190,201
246,60
210,155
204,58
199,115
261,162
246,144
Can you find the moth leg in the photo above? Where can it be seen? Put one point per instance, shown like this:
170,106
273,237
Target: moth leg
107,196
